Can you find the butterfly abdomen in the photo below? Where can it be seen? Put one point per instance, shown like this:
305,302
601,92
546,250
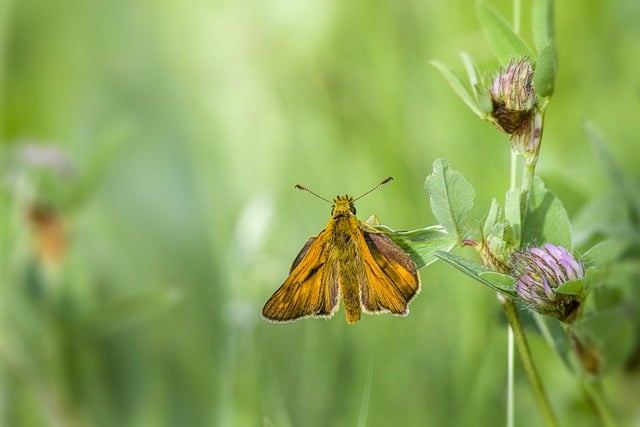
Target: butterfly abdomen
349,260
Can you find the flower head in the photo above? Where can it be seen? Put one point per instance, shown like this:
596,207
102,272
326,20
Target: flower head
514,98
539,272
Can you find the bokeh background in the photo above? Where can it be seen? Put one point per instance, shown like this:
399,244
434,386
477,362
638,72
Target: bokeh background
149,152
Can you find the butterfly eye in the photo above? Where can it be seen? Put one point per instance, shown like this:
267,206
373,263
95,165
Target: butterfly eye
352,208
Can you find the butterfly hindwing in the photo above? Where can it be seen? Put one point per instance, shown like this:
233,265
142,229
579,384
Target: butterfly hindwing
393,273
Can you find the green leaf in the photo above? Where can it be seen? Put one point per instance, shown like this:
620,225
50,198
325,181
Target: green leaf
544,78
451,196
592,278
458,87
474,270
606,297
612,333
499,280
605,215
421,244
481,93
491,219
513,216
547,220
542,23
484,101
623,186
472,69
572,287
504,42
606,251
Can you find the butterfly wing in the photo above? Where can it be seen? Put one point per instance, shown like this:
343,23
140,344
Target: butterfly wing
391,277
303,252
311,288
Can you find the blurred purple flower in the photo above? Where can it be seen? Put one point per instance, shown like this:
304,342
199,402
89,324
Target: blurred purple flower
47,157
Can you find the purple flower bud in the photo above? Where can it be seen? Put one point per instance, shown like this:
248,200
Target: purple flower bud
539,272
513,98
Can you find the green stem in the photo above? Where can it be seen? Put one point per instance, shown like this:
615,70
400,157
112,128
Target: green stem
516,16
530,162
520,341
510,412
510,400
594,394
513,179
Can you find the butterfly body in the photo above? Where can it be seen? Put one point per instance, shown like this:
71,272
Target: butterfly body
348,259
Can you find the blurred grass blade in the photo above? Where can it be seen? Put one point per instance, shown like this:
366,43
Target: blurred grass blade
366,396
421,244
475,271
451,196
544,79
542,24
505,44
624,187
103,155
133,309
458,87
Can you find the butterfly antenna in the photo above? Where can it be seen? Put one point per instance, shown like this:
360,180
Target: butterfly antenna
384,181
302,187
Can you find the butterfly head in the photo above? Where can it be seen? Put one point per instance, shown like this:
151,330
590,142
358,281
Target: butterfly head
342,206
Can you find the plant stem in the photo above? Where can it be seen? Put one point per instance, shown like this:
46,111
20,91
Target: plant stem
520,341
516,16
535,141
594,394
510,412
513,179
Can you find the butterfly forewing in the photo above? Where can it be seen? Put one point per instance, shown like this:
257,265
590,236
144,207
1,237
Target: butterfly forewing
311,288
303,251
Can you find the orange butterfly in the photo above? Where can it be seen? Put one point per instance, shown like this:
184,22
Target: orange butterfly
351,259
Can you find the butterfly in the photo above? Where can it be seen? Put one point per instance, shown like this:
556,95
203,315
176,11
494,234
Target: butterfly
351,260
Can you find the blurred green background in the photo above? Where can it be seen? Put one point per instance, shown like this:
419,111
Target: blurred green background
149,152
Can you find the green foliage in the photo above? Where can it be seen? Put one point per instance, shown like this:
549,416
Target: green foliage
546,70
542,24
504,42
513,216
451,198
422,244
459,88
546,220
496,281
